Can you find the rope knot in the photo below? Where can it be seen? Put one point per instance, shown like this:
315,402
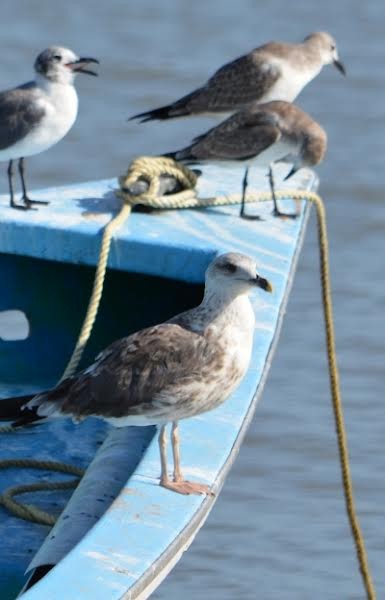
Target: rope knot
149,169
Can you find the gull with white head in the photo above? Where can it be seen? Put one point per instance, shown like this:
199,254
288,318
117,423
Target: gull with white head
37,114
274,71
178,369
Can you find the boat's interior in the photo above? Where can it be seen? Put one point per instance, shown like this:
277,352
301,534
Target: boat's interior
54,297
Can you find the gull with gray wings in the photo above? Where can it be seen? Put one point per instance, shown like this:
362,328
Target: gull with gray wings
274,71
178,369
260,135
37,114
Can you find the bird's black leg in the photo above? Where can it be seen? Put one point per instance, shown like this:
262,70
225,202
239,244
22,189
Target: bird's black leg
11,191
276,211
242,212
10,184
244,187
27,201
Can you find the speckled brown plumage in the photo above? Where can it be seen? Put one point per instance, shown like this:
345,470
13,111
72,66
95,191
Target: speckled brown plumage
273,71
145,374
172,371
248,133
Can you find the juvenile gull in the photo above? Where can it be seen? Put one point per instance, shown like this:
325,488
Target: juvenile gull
261,135
162,374
37,114
274,71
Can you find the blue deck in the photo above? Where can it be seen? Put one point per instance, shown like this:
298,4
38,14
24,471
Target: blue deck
176,244
145,530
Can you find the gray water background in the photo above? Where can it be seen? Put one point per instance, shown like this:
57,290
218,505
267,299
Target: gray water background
279,529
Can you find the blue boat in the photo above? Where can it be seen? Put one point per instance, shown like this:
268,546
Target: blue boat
119,534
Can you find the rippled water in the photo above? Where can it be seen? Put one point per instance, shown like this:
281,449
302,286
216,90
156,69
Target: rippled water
278,530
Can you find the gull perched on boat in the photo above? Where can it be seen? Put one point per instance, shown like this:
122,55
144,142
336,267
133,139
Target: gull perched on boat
260,135
37,114
274,71
162,374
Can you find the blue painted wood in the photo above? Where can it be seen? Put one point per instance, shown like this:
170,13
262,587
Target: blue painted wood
177,244
143,533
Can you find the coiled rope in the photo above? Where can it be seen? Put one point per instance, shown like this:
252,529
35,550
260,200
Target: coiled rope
29,512
150,169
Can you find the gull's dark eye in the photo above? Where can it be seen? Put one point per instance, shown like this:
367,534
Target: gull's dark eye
332,48
57,57
229,267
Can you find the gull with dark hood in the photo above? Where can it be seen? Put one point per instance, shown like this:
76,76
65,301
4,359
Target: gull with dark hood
36,115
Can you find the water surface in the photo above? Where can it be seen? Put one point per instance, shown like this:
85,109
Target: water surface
278,530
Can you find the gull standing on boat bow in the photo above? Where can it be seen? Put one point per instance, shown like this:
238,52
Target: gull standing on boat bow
260,135
37,114
165,373
274,71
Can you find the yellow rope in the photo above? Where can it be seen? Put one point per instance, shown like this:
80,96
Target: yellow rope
336,396
149,169
97,291
29,512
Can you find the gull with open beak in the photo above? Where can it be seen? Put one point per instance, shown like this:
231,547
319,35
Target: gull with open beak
36,115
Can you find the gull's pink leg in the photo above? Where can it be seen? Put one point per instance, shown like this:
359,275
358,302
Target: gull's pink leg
176,451
162,440
179,485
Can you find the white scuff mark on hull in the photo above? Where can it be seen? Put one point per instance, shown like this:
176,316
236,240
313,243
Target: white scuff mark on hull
14,326
190,229
232,241
116,562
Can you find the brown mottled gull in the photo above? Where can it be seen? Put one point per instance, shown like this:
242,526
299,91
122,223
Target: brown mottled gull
274,71
162,374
